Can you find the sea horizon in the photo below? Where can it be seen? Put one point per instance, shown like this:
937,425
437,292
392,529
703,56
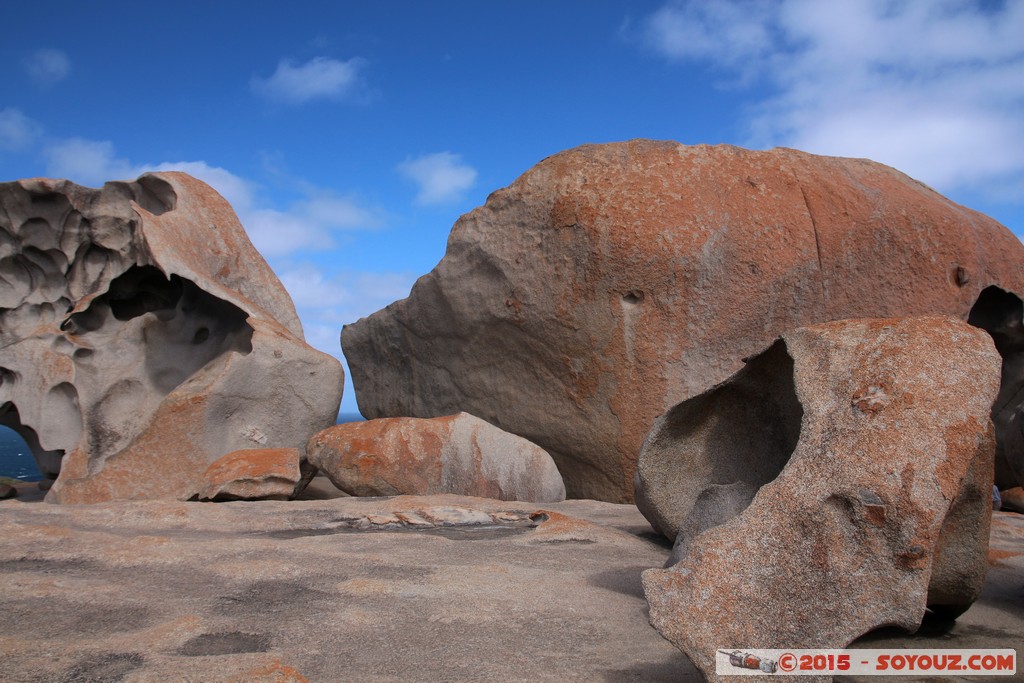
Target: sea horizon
16,461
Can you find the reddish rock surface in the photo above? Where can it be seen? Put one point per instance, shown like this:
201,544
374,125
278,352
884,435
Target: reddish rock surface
458,454
144,337
610,282
881,509
255,474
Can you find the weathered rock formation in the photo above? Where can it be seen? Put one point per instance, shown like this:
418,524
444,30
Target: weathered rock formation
872,472
144,337
458,454
610,282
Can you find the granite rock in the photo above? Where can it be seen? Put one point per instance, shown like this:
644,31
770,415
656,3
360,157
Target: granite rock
864,490
458,454
253,474
610,282
144,337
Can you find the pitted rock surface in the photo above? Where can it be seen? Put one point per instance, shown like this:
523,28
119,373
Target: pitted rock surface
458,454
144,337
870,479
610,282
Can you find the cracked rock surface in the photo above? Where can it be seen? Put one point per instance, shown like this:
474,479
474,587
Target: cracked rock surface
610,282
858,497
142,337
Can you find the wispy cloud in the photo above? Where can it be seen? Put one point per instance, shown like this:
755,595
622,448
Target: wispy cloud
441,177
48,66
319,78
87,162
932,88
327,302
307,224
17,131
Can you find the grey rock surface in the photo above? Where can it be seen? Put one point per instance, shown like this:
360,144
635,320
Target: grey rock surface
402,589
610,282
144,337
358,589
458,454
878,509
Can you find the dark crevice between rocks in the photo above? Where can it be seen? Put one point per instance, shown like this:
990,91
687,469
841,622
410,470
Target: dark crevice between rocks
1001,314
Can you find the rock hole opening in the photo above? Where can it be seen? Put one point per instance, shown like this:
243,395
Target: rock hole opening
21,456
141,290
712,453
633,298
1001,314
155,195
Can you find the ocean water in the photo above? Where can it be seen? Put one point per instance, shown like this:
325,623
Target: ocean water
16,460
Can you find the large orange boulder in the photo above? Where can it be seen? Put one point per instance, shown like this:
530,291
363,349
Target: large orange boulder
458,454
144,337
610,282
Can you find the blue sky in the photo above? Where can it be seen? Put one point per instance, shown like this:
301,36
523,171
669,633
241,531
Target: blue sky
350,136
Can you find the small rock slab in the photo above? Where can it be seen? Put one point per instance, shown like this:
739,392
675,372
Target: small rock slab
254,474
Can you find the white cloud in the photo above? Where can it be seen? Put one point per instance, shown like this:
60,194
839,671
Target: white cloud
87,162
932,88
307,224
17,131
48,66
94,162
319,78
238,191
442,177
326,303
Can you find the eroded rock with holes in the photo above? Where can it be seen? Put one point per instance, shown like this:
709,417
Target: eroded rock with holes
870,477
610,282
144,337
458,454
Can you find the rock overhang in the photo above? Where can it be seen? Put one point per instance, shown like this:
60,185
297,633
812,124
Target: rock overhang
125,305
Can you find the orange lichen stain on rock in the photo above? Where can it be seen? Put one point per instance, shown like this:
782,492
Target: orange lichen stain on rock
820,554
871,399
256,463
997,556
963,442
271,672
875,514
555,523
